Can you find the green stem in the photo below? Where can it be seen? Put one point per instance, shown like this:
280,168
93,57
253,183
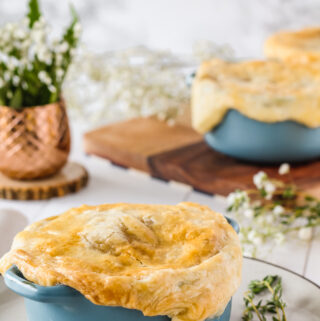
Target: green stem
272,292
254,308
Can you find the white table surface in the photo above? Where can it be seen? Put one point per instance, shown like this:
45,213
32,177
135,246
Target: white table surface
110,184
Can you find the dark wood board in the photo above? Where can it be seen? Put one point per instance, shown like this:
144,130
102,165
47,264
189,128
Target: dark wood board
210,171
179,154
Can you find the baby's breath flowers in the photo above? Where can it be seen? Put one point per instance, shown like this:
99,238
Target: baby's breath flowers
130,83
273,210
135,82
33,66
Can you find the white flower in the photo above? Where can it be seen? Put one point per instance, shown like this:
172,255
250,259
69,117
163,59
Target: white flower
7,75
270,189
12,63
257,240
38,36
269,219
1,82
238,199
261,220
249,213
43,54
52,88
278,210
259,179
305,233
40,23
284,169
44,77
251,235
19,33
63,47
230,198
59,73
77,30
279,238
26,43
15,80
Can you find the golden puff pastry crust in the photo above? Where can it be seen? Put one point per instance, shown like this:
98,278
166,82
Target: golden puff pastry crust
302,45
268,91
183,261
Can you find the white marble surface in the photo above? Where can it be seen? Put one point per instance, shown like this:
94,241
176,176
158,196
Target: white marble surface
176,24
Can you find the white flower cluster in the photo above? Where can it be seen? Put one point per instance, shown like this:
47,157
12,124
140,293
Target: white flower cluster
130,83
262,225
26,51
238,200
264,184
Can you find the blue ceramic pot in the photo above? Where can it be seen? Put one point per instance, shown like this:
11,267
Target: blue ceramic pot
251,140
62,303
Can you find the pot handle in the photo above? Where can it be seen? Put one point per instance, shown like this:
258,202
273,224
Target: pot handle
15,281
234,224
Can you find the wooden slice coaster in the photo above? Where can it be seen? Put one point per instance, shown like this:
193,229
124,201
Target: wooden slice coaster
70,179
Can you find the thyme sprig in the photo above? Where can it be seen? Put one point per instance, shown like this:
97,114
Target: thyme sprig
273,306
272,211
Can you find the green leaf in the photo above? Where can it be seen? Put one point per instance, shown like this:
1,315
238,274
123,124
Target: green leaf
16,100
34,12
309,198
2,99
69,33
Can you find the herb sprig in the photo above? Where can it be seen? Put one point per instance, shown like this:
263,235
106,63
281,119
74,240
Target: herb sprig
270,308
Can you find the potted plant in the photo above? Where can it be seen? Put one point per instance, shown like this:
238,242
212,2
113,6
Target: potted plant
34,130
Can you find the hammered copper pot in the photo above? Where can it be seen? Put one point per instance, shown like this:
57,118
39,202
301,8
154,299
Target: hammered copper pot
34,142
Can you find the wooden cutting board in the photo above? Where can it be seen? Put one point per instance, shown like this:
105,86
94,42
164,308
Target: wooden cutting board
178,153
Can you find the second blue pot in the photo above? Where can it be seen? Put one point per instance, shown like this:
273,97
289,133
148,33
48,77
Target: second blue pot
251,140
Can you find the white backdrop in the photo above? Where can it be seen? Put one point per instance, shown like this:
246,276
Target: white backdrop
176,24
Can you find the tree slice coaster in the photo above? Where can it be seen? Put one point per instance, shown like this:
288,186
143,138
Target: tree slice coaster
71,178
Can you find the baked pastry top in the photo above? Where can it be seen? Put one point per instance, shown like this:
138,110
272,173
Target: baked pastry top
183,261
267,91
302,45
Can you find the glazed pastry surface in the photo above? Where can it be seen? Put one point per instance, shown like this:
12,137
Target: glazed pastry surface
183,261
268,91
302,45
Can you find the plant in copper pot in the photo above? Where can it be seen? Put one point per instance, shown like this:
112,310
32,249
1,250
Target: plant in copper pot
34,130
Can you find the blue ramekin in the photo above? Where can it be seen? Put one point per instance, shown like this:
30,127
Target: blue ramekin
62,303
247,139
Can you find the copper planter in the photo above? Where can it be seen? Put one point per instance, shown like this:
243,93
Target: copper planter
34,142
